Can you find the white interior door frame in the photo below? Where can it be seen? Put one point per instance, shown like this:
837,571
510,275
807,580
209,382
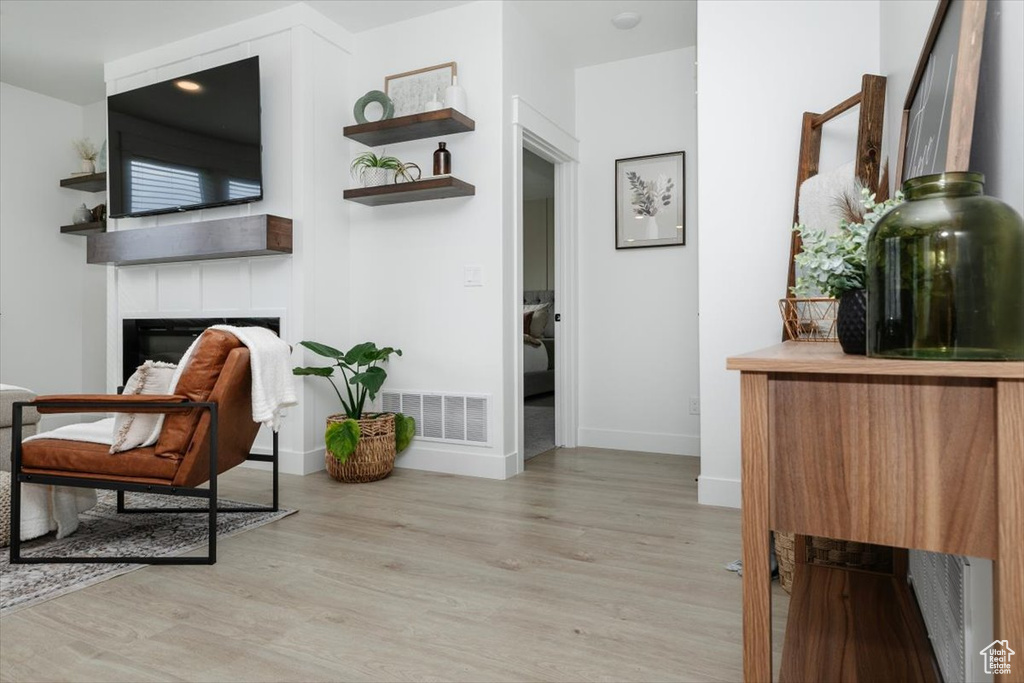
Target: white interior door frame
535,132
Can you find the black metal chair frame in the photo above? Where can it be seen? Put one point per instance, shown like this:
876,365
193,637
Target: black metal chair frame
210,493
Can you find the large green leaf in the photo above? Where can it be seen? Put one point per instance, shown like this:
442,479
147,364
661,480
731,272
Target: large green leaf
342,438
385,353
405,429
319,372
323,349
361,354
372,379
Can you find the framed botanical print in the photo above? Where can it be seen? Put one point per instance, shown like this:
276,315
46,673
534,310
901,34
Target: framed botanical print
650,201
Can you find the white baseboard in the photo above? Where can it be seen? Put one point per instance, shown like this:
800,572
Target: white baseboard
457,462
292,462
649,442
721,492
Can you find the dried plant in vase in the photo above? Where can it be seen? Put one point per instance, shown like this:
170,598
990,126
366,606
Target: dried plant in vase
87,152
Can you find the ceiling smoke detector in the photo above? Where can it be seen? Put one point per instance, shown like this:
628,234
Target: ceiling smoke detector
626,20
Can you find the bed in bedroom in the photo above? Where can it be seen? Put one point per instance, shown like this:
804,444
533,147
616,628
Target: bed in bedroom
538,343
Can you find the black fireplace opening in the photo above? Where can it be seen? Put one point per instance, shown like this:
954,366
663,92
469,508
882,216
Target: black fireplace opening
167,339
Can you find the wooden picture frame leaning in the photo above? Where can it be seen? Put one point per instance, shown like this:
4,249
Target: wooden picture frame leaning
948,69
411,90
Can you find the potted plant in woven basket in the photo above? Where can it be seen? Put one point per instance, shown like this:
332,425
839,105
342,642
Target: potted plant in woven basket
361,446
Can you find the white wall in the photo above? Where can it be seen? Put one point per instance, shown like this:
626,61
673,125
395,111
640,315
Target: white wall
638,357
405,266
535,69
761,65
52,321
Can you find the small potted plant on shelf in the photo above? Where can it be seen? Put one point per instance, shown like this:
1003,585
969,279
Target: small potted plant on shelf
361,446
835,264
373,170
87,153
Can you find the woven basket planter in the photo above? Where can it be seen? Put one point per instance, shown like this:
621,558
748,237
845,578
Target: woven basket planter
375,454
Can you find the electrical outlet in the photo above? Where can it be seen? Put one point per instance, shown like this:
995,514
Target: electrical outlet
694,405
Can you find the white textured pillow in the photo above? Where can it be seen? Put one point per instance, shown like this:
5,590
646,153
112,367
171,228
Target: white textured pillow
540,317
132,430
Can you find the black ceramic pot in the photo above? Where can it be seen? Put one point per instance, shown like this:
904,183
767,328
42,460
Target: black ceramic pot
852,321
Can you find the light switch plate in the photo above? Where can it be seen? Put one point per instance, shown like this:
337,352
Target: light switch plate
472,276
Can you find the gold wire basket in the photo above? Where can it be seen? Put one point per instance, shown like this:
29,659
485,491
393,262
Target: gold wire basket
809,320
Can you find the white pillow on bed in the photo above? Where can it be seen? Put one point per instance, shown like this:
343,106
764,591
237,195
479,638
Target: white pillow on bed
540,317
535,358
132,430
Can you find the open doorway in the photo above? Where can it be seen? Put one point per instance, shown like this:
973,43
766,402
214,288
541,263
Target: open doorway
534,135
539,296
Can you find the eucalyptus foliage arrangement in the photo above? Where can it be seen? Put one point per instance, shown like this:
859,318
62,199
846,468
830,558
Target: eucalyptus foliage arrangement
836,263
363,376
649,196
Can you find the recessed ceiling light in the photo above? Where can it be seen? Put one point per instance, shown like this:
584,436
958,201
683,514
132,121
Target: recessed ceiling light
626,20
188,86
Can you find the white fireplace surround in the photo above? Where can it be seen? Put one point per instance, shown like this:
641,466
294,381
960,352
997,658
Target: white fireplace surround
303,62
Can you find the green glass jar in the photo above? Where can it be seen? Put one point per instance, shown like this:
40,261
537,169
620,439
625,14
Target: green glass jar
945,274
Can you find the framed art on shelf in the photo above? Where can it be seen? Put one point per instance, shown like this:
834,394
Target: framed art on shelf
650,201
938,115
410,91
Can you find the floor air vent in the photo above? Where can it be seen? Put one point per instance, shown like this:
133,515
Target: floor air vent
442,417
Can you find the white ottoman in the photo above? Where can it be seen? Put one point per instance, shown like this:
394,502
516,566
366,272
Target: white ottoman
9,395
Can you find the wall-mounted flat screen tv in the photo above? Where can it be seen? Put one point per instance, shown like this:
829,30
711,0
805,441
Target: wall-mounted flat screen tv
187,143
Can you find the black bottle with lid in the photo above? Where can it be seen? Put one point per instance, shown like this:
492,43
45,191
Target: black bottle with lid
442,160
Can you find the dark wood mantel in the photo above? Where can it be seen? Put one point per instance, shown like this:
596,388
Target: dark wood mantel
261,235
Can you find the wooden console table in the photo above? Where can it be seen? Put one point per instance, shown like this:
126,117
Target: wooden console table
912,454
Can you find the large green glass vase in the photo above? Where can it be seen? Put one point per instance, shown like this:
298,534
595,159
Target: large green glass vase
945,274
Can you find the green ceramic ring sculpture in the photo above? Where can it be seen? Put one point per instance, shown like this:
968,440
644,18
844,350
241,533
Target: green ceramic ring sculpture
373,96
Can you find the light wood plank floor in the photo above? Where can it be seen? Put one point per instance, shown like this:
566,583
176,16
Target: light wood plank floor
594,565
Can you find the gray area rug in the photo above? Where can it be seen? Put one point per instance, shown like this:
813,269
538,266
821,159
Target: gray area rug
104,532
540,430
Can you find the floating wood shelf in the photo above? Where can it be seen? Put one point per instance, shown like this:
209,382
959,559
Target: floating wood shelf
261,235
429,124
94,182
91,228
419,191
854,626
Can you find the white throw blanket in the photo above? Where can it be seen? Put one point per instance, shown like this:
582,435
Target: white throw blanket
273,386
46,508
101,431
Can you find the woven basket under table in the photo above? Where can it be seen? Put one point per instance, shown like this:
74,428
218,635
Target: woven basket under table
829,552
375,454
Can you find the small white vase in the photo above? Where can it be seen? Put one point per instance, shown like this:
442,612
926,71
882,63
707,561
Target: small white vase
646,228
81,215
375,177
88,166
455,97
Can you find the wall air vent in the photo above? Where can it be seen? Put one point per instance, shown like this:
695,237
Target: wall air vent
453,418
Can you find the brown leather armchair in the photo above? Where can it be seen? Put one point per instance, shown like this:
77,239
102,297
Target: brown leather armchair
208,429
